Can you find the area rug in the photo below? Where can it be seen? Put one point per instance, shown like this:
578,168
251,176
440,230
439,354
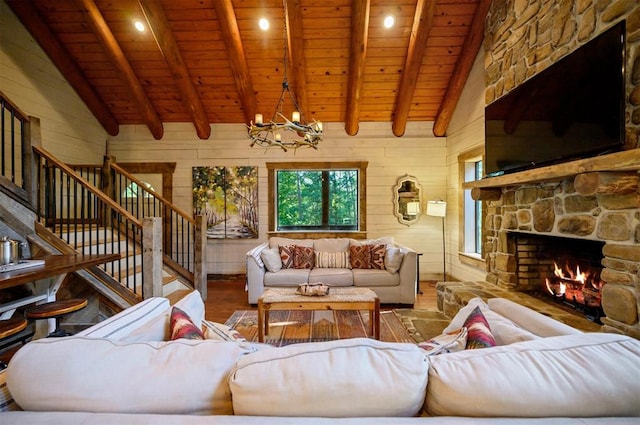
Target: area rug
290,327
422,324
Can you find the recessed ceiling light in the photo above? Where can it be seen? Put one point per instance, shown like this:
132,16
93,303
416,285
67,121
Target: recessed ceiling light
264,24
389,21
139,26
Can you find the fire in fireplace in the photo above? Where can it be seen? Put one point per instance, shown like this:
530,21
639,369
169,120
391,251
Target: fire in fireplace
562,270
578,288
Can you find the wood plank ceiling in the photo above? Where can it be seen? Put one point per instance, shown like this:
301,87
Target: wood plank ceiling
207,61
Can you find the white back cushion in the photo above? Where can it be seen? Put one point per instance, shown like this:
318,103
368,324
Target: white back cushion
100,375
533,321
127,321
343,378
585,375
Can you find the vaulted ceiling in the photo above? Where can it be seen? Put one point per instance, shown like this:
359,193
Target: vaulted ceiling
207,61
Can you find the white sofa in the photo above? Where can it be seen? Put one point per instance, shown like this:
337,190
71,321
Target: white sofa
122,371
394,284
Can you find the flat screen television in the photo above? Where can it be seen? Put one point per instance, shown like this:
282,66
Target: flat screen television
573,109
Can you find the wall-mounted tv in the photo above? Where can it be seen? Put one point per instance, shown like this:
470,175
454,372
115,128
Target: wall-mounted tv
573,109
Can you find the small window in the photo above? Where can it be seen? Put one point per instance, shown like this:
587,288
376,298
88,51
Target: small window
471,219
316,197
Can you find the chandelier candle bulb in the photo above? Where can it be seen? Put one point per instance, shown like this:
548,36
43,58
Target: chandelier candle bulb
258,119
278,137
295,117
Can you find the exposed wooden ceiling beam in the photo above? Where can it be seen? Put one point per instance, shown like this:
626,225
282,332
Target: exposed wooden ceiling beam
422,22
30,18
159,26
360,10
113,50
462,70
231,35
297,64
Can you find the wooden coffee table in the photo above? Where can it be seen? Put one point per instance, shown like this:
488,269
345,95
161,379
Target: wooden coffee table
348,298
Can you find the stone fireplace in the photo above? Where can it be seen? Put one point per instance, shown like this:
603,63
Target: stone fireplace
558,209
595,199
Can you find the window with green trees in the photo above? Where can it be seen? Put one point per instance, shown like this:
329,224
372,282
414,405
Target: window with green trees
316,196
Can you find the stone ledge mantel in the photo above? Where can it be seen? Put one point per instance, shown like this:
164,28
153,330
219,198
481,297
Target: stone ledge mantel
628,160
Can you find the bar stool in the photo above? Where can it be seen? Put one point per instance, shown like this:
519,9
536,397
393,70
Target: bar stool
9,328
56,310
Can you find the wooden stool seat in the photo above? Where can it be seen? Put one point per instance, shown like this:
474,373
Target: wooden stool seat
55,309
12,326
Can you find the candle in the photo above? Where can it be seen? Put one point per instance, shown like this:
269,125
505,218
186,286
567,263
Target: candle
319,125
258,119
295,116
278,137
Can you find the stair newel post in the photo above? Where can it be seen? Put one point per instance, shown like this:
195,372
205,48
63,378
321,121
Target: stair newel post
151,257
200,256
108,187
32,137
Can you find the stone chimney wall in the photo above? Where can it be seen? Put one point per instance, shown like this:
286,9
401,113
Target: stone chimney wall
523,37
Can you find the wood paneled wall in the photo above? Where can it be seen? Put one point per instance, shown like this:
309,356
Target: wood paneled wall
34,84
417,153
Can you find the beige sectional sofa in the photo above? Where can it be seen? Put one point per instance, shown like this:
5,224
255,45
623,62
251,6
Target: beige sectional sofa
393,278
123,371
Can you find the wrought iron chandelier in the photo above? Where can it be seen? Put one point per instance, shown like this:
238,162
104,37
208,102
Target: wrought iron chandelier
281,132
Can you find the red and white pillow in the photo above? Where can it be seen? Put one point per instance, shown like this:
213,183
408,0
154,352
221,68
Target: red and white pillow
367,256
297,257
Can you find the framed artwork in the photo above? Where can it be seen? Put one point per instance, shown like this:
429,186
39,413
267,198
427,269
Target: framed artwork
228,198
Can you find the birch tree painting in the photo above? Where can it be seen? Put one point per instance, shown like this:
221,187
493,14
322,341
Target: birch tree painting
228,198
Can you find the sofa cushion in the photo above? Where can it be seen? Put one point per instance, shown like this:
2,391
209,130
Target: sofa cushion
585,375
157,329
287,256
333,260
332,277
276,241
535,322
393,259
271,259
287,277
377,252
373,278
478,331
343,378
360,256
385,240
181,326
127,321
303,257
504,330
101,375
331,244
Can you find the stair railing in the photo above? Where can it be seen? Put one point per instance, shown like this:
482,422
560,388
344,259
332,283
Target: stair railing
183,237
90,222
15,150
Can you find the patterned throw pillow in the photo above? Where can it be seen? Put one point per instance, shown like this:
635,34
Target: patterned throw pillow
287,253
360,256
478,331
181,326
303,257
377,256
333,260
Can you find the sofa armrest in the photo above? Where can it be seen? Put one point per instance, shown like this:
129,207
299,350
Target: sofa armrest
255,273
408,272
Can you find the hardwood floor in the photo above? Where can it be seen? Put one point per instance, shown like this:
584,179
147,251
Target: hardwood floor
227,294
